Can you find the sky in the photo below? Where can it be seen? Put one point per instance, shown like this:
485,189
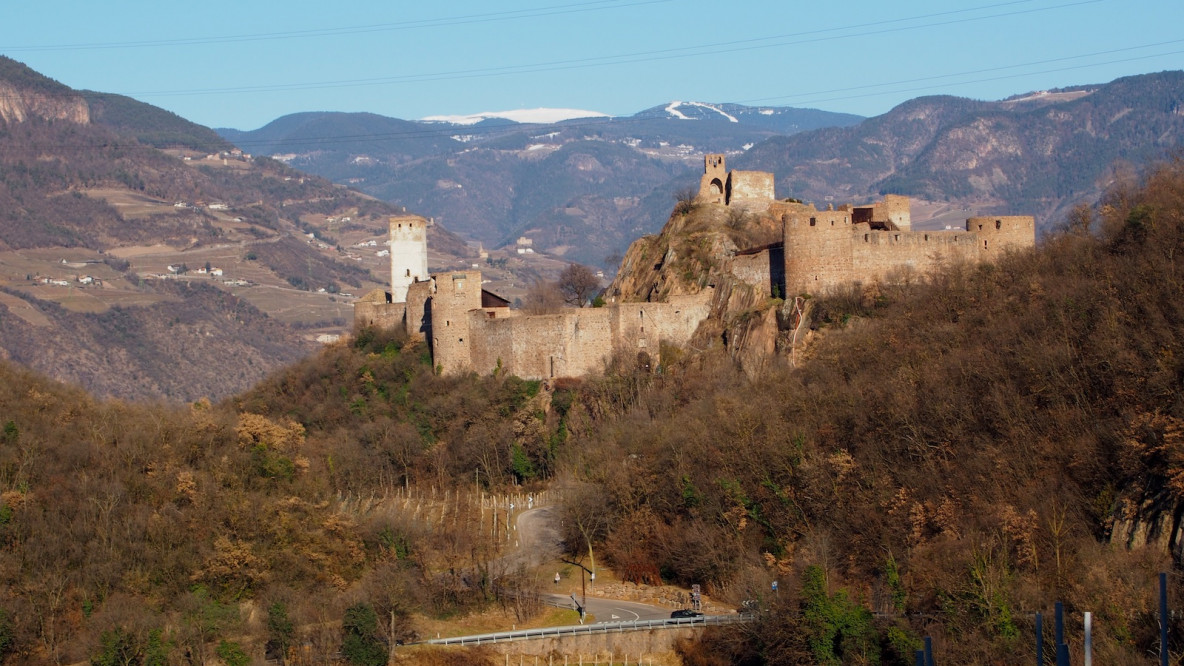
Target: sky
244,63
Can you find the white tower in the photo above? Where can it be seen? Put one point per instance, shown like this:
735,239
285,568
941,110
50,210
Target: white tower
409,254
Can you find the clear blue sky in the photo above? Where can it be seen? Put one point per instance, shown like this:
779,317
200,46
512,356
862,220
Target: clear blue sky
244,63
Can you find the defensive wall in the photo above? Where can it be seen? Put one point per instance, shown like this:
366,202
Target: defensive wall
472,330
825,249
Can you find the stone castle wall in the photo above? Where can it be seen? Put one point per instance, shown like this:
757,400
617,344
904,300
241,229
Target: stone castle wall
762,267
749,188
375,309
827,249
577,342
996,234
820,250
455,295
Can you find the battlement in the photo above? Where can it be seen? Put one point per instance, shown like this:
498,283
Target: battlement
859,244
472,330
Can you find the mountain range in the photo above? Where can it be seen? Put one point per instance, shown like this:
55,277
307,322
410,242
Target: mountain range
583,188
143,255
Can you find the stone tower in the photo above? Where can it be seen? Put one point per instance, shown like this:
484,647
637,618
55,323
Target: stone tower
409,254
711,184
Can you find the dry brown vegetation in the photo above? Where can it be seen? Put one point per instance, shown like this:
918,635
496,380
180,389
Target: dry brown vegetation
953,455
958,449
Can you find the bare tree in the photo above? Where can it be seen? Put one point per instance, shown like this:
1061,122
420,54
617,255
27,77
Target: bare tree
578,284
542,298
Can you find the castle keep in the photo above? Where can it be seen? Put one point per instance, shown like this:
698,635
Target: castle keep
470,329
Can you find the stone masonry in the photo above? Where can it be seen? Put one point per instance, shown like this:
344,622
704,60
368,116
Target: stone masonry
472,330
825,249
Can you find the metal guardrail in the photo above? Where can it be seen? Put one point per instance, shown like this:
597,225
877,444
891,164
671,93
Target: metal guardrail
584,629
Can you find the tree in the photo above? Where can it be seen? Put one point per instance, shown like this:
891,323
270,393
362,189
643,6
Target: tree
361,645
542,298
280,631
578,284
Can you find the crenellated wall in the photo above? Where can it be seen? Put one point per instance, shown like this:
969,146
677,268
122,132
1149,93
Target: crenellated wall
826,249
820,250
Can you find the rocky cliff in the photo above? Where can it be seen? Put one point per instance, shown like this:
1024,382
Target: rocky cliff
703,245
25,94
20,105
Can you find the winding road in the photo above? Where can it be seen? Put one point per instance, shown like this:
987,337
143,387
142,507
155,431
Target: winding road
539,542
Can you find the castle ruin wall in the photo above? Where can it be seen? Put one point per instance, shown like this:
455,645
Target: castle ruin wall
748,189
763,268
374,309
999,233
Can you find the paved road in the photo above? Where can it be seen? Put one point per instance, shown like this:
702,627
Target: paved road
613,610
538,535
539,542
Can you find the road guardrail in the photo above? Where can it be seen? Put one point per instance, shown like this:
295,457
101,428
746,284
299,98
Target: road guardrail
584,629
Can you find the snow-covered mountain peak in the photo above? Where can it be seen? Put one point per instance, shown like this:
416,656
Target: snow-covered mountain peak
541,115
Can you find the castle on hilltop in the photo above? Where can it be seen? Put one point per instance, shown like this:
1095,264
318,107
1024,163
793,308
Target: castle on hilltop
824,249
470,329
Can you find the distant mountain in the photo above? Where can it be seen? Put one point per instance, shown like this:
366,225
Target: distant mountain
580,188
563,184
1036,153
144,256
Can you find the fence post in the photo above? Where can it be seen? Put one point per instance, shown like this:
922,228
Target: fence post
1089,639
1062,655
1060,624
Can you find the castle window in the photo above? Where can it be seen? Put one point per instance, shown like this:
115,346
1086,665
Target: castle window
408,272
980,227
998,224
448,323
984,245
460,339
896,236
832,223
926,236
865,238
811,221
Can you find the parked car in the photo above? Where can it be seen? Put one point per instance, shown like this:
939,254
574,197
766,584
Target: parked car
683,612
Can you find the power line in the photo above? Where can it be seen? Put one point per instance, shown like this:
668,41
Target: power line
733,46
429,131
976,71
996,78
488,17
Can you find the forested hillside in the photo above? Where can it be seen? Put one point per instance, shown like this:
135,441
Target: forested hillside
953,455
